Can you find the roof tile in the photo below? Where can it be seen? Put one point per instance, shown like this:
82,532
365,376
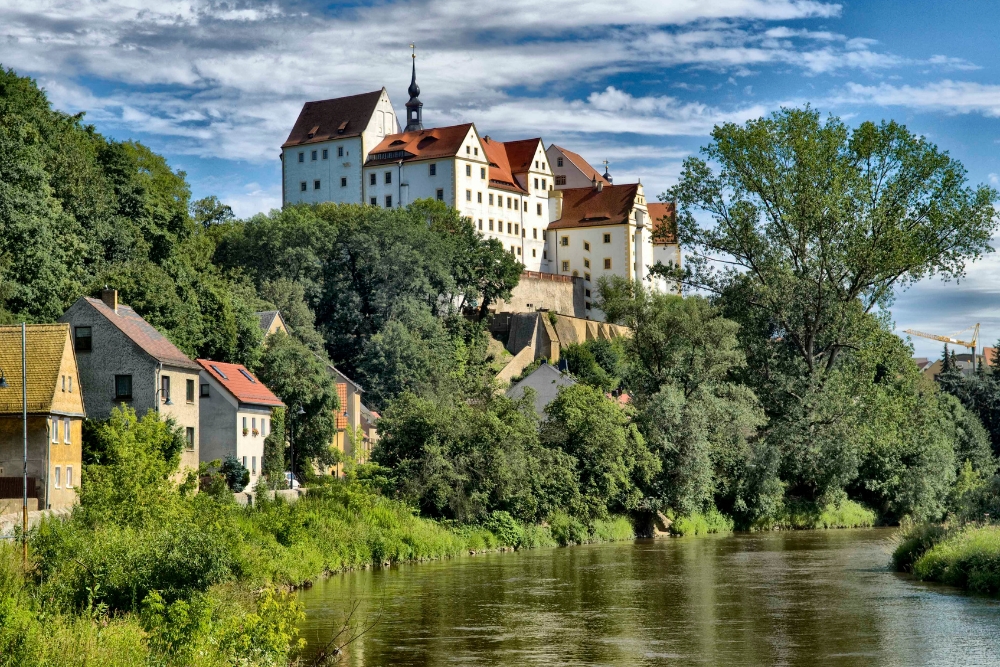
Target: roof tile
340,117
239,385
45,345
143,334
583,207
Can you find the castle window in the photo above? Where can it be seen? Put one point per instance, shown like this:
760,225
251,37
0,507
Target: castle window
491,199
388,177
84,341
607,263
519,252
533,252
468,170
515,229
586,245
302,156
586,263
326,154
564,241
373,201
543,165
468,195
587,305
559,162
534,232
543,184
303,187
536,167
313,156
475,151
440,194
525,202
491,224
468,150
576,274
539,208
565,265
586,292
479,197
480,224
509,203
432,169
512,250
372,178
536,181
482,172
388,201
607,238
509,225
343,181
340,151
316,185
560,180
586,276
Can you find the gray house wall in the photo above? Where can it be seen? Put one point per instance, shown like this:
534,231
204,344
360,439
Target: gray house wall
222,427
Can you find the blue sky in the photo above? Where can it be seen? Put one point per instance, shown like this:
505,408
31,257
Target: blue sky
216,86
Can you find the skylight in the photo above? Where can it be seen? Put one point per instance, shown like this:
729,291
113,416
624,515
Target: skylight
248,376
221,374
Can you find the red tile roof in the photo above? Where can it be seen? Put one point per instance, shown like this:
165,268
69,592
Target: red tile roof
521,154
664,222
582,165
500,171
584,207
420,145
143,334
242,387
333,119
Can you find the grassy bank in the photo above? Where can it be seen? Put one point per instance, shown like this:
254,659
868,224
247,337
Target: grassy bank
967,557
801,515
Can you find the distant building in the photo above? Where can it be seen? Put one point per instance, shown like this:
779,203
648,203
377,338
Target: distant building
666,249
55,418
546,380
271,321
571,170
348,417
235,414
124,360
962,361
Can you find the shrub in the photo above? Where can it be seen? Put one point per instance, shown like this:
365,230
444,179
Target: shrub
567,530
508,531
969,559
615,529
914,541
236,474
712,521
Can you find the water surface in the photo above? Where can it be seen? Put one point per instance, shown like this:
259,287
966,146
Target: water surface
800,598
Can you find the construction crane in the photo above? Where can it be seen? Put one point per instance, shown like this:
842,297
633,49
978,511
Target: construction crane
971,344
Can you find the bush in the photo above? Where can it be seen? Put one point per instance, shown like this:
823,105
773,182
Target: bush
969,559
616,529
567,530
236,474
698,523
508,531
914,541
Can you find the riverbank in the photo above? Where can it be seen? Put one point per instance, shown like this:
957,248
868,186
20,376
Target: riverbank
202,580
967,557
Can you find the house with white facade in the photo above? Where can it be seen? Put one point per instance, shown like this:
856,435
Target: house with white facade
235,415
570,170
666,249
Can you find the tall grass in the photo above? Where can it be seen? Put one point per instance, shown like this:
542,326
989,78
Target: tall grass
806,515
699,523
968,558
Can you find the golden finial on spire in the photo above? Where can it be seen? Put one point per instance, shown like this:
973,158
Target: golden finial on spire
414,49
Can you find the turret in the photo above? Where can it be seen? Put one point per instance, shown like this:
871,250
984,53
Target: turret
414,107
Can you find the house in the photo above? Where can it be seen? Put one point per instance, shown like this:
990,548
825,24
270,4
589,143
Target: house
666,249
601,230
546,381
235,414
123,360
571,170
369,426
348,417
964,362
271,321
55,407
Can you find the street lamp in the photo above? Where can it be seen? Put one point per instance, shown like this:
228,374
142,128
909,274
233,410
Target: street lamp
291,445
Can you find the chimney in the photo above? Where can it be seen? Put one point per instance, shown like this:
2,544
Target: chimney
110,298
556,196
593,181
600,186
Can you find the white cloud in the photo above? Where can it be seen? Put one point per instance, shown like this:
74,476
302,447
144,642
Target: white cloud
946,95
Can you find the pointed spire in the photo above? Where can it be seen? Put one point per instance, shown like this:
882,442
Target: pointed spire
414,107
607,176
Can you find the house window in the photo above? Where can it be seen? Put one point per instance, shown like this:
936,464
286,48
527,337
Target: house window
302,156
564,241
372,178
388,177
586,305
263,426
253,463
244,423
316,184
58,477
388,201
518,251
63,382
512,250
479,197
343,181
491,224
538,209
525,202
468,195
468,150
536,181
482,173
560,180
165,388
586,292
83,340
303,187
491,200
509,226
55,429
565,265
432,169
480,224
559,162
607,263
326,154
586,246
534,252
545,254
189,438
253,424
373,201
243,461
66,431
509,204
543,184
313,156
204,391
516,231
543,165
340,151
69,477
123,387
536,167
607,238
586,276
468,170
534,232
189,391
70,378
440,194
586,263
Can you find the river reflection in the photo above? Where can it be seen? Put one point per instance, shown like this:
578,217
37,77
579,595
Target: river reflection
802,598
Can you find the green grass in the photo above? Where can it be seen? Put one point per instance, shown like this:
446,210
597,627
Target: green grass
968,558
804,515
698,523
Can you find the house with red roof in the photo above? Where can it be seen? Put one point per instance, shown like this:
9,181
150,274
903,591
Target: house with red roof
125,361
235,414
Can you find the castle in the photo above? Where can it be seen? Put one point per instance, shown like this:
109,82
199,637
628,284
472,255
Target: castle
555,212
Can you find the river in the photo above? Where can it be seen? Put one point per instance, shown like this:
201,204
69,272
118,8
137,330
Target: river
790,598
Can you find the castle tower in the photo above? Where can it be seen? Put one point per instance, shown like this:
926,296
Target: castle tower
414,107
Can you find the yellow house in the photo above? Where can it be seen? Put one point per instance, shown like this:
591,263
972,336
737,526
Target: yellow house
271,322
55,418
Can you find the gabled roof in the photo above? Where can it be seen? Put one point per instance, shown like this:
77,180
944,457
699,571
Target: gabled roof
546,381
521,154
340,117
581,164
267,318
45,345
664,222
583,207
436,142
501,175
241,383
143,334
